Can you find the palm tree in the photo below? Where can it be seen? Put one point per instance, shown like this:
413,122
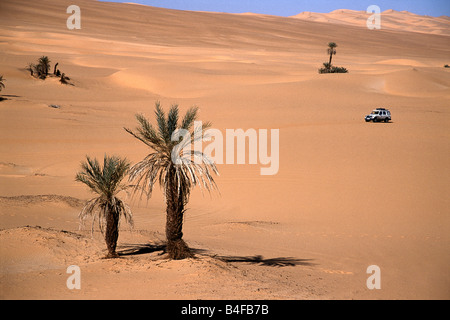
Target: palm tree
44,62
31,67
331,50
175,177
106,207
2,85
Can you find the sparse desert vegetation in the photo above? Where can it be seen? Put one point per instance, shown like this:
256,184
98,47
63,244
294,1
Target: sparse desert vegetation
106,208
327,66
41,70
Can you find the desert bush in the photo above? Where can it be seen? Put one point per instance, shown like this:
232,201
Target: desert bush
338,70
332,69
42,68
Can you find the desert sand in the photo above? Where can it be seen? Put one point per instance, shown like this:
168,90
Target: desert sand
348,194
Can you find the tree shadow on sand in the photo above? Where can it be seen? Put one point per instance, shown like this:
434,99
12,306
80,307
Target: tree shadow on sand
273,262
6,96
139,249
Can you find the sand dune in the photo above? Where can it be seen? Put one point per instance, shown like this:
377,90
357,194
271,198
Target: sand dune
416,83
390,20
348,194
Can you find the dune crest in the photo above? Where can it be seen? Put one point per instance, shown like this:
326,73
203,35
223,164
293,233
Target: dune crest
390,20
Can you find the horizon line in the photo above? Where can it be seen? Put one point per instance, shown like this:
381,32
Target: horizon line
266,14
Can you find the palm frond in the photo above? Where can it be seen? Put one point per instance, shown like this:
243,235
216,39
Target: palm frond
145,172
91,175
172,119
96,209
198,133
189,118
147,131
194,169
162,123
93,208
125,210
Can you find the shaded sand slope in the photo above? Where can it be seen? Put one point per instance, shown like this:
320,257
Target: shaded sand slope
347,195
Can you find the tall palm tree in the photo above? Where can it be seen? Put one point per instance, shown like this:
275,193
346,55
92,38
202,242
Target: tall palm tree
331,50
44,62
106,207
175,177
2,85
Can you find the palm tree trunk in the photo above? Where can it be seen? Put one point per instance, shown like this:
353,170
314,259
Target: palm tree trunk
112,231
176,247
331,56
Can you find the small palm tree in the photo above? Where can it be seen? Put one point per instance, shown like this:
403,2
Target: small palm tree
327,66
175,177
44,61
2,85
106,207
31,67
331,50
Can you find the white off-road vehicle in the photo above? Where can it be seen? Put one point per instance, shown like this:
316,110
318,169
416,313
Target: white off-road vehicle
379,115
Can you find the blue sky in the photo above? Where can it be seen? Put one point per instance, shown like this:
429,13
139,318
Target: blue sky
293,7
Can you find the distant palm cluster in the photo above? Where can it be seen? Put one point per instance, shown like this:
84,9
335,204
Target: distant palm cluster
42,68
327,66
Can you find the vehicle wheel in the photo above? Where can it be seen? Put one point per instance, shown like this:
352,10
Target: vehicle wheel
374,120
386,120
